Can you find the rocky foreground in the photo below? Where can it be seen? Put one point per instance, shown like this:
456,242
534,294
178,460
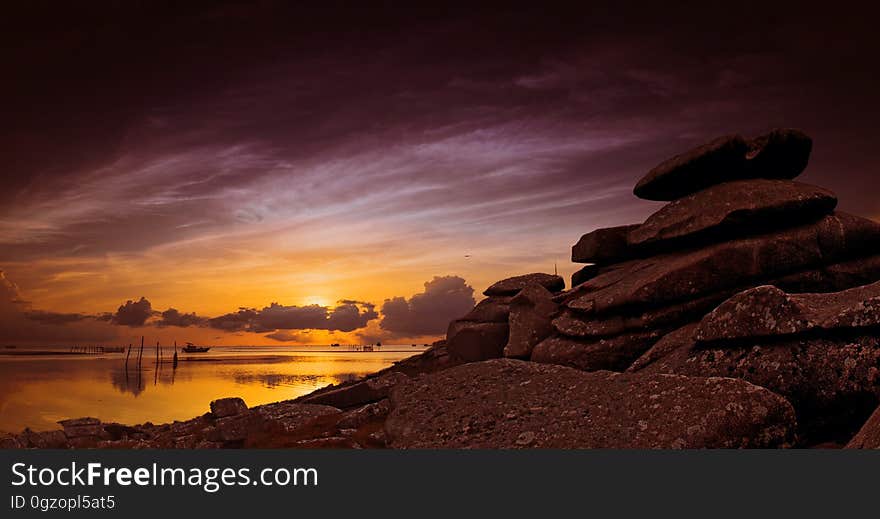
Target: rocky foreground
743,314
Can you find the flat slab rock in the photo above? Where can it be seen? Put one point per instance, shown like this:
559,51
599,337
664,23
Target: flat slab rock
780,154
512,286
371,389
574,323
767,311
665,279
604,246
509,404
614,353
732,209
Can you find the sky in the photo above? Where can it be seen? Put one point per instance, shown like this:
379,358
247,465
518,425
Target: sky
262,173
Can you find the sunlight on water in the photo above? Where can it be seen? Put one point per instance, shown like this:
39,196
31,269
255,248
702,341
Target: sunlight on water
37,391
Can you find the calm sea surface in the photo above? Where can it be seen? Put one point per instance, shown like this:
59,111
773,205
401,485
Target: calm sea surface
37,390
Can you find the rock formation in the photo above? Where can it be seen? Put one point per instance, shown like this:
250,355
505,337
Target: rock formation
743,313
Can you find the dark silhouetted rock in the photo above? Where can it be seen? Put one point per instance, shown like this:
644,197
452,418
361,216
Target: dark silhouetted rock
780,154
585,274
868,436
663,280
490,310
732,209
603,246
228,407
833,384
512,286
768,311
507,403
371,389
467,341
614,353
531,316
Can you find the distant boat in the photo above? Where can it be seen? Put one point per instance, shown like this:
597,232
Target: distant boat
334,345
192,348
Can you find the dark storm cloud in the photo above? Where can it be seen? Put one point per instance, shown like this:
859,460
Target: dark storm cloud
288,336
173,317
44,317
234,117
20,323
347,316
133,313
429,312
235,321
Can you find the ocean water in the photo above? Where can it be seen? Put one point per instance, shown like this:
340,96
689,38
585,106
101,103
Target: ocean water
39,388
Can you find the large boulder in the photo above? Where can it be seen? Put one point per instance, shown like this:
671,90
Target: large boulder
603,246
732,209
531,316
512,286
507,403
490,310
717,161
663,280
767,311
868,436
780,154
468,341
613,353
833,383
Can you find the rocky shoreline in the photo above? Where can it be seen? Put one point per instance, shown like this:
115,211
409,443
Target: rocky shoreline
742,314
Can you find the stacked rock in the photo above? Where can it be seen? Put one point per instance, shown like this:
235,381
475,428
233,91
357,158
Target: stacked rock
734,221
648,298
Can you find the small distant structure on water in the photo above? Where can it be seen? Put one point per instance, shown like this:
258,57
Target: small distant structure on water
192,348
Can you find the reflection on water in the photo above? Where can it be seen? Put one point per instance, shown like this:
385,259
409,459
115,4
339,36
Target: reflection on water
37,391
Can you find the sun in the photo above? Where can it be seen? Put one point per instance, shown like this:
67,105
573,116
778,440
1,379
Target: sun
317,300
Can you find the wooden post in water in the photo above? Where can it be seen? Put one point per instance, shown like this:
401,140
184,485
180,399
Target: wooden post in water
174,362
141,352
126,356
